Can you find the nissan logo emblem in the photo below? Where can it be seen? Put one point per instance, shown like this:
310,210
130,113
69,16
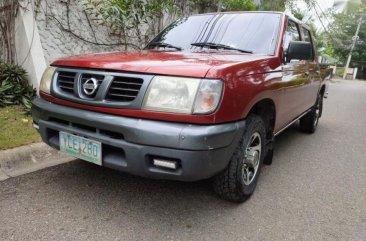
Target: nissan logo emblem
90,86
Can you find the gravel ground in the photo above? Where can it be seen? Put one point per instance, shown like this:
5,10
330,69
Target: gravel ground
314,190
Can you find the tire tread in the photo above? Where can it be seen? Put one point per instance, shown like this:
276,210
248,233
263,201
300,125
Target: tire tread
226,184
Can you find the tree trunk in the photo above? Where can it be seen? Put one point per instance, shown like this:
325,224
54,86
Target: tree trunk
8,10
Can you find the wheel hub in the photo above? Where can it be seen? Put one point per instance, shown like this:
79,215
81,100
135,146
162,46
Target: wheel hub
252,158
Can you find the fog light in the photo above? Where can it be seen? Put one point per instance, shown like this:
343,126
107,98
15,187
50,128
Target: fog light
165,163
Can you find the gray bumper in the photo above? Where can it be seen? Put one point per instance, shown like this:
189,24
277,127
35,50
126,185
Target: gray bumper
130,144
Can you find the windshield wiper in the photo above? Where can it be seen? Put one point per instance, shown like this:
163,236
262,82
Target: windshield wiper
164,45
219,46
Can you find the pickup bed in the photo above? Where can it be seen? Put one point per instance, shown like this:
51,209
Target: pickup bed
205,98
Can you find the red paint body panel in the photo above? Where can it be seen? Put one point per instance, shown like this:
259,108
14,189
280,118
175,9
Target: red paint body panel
178,63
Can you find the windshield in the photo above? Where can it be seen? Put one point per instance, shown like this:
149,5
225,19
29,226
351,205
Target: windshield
250,32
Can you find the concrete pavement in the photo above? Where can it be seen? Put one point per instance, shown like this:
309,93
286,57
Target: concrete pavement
29,158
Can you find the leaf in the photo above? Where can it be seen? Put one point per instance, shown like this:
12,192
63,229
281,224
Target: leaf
14,88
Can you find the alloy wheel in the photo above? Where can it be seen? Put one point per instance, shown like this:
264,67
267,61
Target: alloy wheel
252,158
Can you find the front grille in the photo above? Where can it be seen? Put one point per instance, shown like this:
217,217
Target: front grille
65,81
101,88
124,89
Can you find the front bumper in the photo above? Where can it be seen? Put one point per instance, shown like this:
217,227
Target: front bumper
130,144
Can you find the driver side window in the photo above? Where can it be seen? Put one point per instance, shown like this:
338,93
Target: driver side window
292,34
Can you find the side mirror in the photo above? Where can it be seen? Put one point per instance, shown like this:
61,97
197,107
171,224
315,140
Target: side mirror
299,50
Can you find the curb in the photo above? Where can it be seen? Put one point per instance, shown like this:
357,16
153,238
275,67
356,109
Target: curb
29,158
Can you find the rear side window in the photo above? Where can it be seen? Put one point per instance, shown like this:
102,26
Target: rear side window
307,38
292,34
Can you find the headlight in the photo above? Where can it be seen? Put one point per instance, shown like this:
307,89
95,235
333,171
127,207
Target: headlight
46,80
208,96
183,95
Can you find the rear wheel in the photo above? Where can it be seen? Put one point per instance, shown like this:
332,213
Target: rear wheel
309,122
238,181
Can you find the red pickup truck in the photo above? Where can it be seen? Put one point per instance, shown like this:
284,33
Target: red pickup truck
205,98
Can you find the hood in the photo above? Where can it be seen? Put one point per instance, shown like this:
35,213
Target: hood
190,64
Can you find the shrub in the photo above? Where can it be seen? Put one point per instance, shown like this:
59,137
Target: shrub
14,86
340,72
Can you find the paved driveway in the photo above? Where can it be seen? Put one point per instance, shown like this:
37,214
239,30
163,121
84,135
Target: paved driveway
314,190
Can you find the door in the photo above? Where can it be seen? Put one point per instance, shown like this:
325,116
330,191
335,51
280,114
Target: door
314,71
295,80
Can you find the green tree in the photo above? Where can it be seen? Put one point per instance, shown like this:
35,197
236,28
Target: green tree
238,5
346,6
272,5
343,29
324,45
220,5
279,5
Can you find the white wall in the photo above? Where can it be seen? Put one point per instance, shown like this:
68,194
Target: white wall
54,16
29,51
39,39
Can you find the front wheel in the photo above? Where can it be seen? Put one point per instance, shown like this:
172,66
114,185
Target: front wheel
238,181
309,122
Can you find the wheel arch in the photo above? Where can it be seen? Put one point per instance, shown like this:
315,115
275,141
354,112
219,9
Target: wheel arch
266,109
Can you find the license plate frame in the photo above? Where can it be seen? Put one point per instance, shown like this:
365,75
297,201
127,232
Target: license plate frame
81,147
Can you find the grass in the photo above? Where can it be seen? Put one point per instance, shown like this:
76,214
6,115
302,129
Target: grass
16,128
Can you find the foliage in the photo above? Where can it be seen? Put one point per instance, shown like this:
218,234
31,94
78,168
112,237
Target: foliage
292,4
134,20
324,44
343,29
137,21
299,14
346,6
203,6
14,86
340,72
238,5
16,128
272,5
281,5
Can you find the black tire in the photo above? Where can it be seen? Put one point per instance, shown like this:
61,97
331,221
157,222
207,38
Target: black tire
234,183
309,122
